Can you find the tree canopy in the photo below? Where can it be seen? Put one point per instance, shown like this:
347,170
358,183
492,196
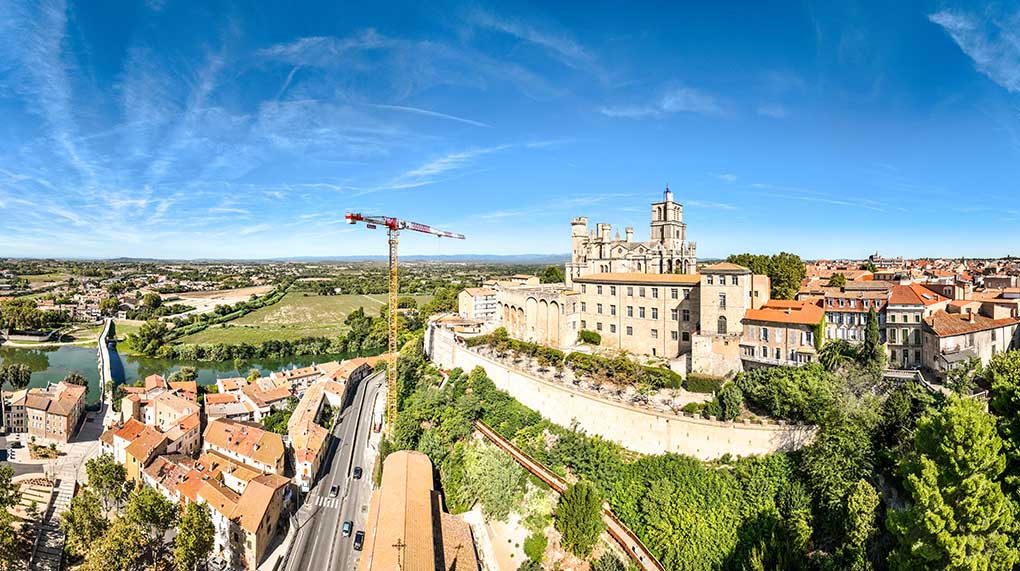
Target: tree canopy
579,517
959,517
785,271
552,275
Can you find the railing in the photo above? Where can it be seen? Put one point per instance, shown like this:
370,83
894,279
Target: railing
630,542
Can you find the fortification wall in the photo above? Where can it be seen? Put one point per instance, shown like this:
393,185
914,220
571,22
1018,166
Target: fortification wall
638,429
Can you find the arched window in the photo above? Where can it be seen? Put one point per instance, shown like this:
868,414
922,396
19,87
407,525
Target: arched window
722,325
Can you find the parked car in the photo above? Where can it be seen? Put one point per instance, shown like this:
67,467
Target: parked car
359,540
348,526
334,491
357,472
11,456
16,444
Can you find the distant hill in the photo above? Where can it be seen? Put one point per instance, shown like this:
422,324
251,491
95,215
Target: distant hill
487,258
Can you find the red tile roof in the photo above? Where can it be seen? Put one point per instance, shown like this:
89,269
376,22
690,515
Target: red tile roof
950,324
789,312
914,294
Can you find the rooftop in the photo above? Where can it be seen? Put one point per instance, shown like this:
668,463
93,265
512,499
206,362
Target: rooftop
640,278
787,312
949,324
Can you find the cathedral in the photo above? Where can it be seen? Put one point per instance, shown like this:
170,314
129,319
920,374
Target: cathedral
667,252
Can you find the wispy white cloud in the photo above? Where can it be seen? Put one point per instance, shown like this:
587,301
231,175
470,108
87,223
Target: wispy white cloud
992,41
806,195
678,100
773,110
709,204
427,113
559,44
727,177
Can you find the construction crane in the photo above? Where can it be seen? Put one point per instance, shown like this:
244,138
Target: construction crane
393,227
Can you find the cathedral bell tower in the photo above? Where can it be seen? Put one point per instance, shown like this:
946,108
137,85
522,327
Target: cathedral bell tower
668,227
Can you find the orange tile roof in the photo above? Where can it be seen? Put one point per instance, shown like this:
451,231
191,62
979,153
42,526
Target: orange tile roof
256,500
640,278
147,445
220,398
914,294
154,382
247,439
788,312
950,324
403,511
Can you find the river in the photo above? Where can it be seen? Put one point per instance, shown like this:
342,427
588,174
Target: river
53,364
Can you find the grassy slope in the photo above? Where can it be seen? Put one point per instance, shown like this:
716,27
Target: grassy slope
296,315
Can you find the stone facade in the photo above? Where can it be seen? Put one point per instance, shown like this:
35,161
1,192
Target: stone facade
540,314
667,252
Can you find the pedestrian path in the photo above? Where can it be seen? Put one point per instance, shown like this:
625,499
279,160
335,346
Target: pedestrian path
320,501
49,547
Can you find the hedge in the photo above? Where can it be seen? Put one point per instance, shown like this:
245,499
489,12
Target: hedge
589,337
701,383
501,341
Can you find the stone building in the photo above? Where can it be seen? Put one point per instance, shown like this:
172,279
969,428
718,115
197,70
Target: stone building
967,330
53,413
641,313
477,303
667,252
780,333
906,310
544,314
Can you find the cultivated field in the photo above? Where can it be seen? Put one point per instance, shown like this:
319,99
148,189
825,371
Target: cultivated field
297,315
206,301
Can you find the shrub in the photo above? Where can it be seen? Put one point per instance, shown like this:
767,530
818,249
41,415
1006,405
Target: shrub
702,383
792,393
693,407
589,337
534,546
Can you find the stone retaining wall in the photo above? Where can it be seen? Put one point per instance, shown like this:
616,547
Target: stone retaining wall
638,429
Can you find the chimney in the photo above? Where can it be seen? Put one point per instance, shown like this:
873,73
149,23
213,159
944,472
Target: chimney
630,233
971,315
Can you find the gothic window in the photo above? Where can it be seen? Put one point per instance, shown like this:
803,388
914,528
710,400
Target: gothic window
722,325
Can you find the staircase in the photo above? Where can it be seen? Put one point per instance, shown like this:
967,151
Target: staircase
48,552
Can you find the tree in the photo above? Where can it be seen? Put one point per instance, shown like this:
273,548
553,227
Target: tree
9,495
836,353
837,280
154,515
608,562
872,352
76,378
494,479
109,306
149,337
121,548
83,523
552,275
860,529
152,301
17,376
785,271
959,517
731,401
253,375
962,378
195,537
184,375
579,517
870,266
108,478
1003,373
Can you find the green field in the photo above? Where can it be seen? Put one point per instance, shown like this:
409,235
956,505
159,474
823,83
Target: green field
297,315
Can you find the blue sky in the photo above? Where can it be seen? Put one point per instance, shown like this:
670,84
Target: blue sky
207,129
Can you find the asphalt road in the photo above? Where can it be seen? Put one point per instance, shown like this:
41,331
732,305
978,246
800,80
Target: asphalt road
318,545
19,469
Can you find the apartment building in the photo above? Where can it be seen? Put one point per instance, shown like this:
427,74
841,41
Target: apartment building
53,413
967,330
906,310
307,437
780,333
247,443
478,304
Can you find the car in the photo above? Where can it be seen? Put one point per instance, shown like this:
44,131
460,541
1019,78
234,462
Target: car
334,491
357,472
3,455
346,530
359,540
16,444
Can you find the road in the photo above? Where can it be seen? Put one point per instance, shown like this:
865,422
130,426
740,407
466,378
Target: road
19,469
318,544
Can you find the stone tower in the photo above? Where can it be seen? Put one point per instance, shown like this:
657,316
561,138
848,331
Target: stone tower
668,226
